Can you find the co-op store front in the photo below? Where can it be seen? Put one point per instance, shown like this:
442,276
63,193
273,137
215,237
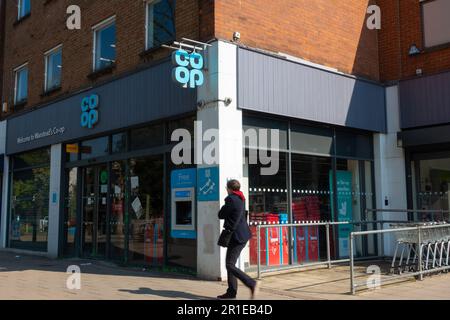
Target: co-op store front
102,189
113,192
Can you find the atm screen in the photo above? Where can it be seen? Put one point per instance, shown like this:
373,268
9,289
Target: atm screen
184,213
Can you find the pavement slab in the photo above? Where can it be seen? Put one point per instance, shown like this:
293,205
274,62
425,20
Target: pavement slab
38,278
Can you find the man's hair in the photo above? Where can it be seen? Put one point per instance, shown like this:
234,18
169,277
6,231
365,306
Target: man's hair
234,185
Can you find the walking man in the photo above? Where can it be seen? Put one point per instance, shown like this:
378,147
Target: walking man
233,212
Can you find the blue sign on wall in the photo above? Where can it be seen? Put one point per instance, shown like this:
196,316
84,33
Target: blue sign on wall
189,68
89,112
208,184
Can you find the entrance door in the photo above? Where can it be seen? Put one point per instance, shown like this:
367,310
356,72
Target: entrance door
95,199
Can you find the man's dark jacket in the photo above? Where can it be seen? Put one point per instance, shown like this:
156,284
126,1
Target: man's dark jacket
234,214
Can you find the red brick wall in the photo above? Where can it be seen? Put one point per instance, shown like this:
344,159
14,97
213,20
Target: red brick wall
46,28
2,34
402,27
328,32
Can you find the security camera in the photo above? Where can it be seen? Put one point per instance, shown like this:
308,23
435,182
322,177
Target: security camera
236,36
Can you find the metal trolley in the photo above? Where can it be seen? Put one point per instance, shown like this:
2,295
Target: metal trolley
433,245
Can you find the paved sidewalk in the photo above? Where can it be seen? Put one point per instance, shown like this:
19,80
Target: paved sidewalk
36,278
30,277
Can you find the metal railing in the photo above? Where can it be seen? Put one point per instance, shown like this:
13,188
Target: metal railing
420,230
329,261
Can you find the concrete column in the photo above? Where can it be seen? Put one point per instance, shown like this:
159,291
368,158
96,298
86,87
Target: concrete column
5,191
220,83
54,201
4,208
390,171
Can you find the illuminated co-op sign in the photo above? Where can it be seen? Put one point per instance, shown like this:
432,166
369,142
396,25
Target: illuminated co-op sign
89,112
189,68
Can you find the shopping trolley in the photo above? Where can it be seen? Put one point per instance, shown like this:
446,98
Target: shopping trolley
434,246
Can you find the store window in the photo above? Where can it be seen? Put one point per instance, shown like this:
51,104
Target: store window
147,137
312,191
146,240
105,44
329,178
30,200
70,212
53,69
160,26
119,143
312,140
432,187
184,123
23,8
262,126
21,84
268,203
354,145
436,24
94,148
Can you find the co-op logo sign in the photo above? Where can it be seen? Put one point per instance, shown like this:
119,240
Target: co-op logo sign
189,68
89,111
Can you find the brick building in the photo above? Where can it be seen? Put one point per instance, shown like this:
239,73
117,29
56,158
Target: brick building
88,117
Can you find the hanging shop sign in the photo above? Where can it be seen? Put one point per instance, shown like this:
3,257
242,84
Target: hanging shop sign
89,112
188,69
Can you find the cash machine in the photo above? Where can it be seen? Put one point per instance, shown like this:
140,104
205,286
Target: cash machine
183,205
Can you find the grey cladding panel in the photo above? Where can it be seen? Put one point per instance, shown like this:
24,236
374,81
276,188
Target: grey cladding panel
142,97
425,101
278,86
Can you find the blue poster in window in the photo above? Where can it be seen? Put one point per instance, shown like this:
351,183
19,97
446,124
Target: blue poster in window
344,184
208,184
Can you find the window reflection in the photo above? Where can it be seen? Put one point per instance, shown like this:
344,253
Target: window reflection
160,23
30,202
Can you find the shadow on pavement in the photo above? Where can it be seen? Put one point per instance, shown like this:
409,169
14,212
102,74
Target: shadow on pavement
166,294
10,261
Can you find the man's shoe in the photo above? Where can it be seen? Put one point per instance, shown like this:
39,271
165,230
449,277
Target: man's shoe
255,290
226,296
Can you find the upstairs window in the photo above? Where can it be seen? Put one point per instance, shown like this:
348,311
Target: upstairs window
24,8
21,84
105,44
436,22
160,24
53,68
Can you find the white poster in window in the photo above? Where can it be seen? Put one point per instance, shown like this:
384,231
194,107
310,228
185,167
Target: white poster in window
104,188
117,190
137,207
134,182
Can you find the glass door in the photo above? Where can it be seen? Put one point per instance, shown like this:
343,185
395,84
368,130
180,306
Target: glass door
117,217
95,200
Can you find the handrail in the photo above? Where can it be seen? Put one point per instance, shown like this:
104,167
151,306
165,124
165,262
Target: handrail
419,229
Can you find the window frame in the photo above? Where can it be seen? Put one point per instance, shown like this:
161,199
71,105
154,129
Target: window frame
149,3
19,9
445,45
47,56
96,29
16,71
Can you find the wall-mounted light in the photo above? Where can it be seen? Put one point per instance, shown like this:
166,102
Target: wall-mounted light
413,51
